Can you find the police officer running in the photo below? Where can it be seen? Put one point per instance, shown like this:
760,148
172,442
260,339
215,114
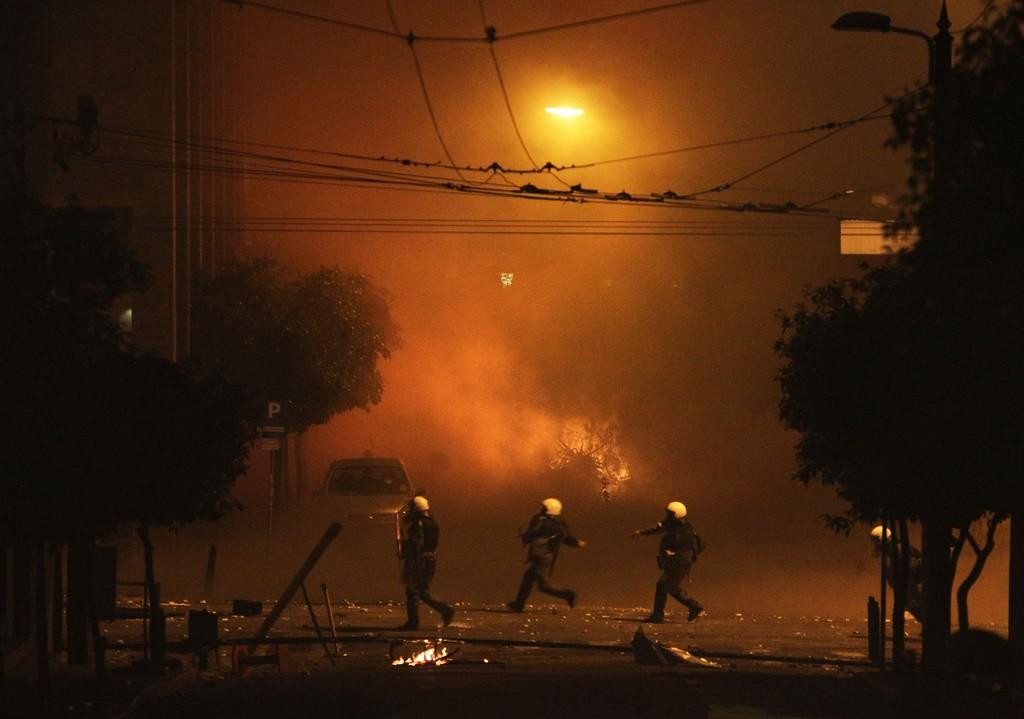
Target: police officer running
677,552
915,577
418,552
543,538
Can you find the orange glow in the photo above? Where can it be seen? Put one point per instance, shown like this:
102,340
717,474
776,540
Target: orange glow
564,111
430,655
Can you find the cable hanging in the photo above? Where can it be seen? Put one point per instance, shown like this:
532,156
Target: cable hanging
411,40
396,34
806,146
494,167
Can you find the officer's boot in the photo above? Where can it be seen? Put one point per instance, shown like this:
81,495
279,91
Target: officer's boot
517,604
567,595
658,612
412,612
695,607
445,610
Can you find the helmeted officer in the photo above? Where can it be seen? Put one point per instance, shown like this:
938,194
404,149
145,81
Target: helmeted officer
677,552
543,538
915,576
418,551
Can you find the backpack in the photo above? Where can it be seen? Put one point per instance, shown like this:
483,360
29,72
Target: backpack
698,546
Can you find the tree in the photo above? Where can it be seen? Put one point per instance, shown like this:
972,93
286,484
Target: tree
180,441
967,163
314,341
103,436
588,452
905,384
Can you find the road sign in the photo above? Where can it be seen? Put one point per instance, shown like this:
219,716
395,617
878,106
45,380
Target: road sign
271,443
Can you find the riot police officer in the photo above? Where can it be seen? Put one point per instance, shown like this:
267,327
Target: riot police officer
543,538
418,551
677,551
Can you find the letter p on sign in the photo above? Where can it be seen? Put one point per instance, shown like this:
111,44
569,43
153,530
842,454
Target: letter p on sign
273,409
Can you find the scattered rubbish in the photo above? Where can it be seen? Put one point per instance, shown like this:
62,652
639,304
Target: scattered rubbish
648,651
246,608
242,658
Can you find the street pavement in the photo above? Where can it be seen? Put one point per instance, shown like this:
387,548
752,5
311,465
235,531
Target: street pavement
548,661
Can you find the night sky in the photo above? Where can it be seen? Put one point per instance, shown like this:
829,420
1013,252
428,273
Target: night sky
658,319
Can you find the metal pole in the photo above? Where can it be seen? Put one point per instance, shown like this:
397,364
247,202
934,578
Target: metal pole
293,586
211,572
316,624
270,499
884,591
330,617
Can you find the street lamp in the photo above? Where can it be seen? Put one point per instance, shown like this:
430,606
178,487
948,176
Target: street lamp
940,47
935,539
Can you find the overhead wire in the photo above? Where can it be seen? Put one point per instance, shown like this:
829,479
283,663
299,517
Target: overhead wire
560,196
974,22
494,167
397,34
411,41
491,33
802,148
831,125
846,193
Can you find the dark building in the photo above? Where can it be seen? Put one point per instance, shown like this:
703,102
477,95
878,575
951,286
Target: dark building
111,104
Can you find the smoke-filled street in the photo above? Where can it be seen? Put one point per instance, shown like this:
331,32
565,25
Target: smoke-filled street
485,358
547,659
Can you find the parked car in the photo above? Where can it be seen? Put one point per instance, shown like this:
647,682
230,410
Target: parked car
366,488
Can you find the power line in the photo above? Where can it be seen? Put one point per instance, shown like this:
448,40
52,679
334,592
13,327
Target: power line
798,150
974,22
489,29
494,167
491,33
549,233
846,193
526,192
831,125
600,19
410,38
396,34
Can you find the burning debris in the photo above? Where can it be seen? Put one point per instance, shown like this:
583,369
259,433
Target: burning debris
588,451
424,653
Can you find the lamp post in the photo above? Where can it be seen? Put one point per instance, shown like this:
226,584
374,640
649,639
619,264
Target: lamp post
935,534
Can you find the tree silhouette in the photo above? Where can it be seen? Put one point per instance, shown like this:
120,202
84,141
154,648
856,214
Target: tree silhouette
314,341
905,385
103,437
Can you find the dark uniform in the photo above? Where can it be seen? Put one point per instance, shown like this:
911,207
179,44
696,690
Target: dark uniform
915,579
677,552
544,537
419,562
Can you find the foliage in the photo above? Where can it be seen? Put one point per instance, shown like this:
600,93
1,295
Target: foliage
590,451
101,436
905,384
313,341
966,269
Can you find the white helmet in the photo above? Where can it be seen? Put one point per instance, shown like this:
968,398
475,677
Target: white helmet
876,534
419,504
678,509
552,506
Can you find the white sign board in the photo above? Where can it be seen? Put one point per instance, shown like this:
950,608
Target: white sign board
869,237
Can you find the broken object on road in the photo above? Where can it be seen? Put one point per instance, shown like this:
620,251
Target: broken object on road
648,651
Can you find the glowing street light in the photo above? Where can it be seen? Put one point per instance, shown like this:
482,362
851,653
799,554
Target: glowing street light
564,111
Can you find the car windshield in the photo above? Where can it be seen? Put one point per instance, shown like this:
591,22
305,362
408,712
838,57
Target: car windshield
367,480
